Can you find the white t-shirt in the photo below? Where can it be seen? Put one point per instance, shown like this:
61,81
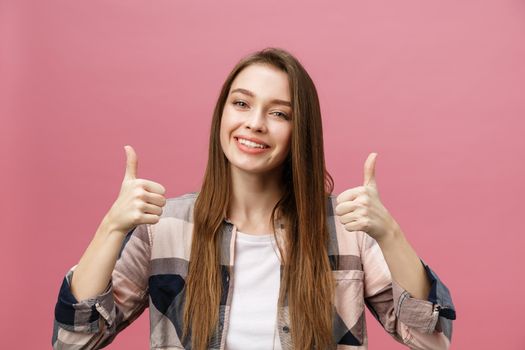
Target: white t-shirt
256,281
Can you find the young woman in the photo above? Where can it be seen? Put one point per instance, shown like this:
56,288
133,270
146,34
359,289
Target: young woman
264,256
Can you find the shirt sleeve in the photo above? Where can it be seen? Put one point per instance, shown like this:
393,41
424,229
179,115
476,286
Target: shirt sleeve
420,324
93,323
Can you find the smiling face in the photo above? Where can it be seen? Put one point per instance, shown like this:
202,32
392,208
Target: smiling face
258,108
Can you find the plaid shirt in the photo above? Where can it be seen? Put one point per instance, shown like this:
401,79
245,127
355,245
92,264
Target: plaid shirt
153,264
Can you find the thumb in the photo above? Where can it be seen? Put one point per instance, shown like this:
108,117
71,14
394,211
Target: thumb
131,163
370,169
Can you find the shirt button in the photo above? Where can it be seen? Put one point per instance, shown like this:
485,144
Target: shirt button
286,329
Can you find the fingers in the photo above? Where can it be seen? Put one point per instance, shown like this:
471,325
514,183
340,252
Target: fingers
150,219
131,173
153,187
370,168
131,163
156,199
350,194
152,209
346,207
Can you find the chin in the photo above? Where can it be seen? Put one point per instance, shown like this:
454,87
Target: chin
249,167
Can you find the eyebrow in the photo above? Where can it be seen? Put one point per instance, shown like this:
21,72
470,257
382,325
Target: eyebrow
249,93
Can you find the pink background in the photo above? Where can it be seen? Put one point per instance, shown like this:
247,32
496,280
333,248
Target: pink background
436,88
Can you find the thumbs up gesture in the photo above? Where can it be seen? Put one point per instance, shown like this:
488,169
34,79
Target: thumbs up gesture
360,208
140,201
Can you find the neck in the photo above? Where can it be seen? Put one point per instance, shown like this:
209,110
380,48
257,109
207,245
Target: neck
254,195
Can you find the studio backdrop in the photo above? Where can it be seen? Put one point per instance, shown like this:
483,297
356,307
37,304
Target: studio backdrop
435,88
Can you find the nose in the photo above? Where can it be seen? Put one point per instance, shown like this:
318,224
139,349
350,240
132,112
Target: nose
256,121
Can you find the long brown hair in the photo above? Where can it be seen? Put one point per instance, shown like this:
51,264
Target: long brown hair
307,283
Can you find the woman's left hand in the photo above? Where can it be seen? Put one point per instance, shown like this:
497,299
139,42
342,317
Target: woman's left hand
360,208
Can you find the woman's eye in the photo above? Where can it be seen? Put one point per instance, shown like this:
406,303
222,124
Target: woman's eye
243,104
282,115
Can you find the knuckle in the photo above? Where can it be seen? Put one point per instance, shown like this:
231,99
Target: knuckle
135,183
141,194
136,217
139,204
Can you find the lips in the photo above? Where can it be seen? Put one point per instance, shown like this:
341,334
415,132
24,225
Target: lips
252,139
250,150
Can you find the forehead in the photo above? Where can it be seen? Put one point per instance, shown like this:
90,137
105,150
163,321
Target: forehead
265,81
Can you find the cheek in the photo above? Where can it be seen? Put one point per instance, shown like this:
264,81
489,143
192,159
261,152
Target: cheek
226,124
286,137
229,121
223,133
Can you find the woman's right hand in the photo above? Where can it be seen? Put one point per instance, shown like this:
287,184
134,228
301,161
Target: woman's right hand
140,201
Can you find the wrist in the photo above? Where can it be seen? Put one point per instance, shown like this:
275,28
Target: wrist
107,229
393,234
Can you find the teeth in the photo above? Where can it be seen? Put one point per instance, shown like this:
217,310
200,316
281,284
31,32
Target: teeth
250,143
